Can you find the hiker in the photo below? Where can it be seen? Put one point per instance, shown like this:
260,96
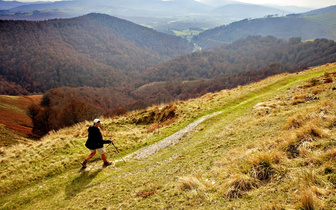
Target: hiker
96,143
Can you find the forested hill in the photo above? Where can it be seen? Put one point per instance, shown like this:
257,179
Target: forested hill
92,50
252,53
318,24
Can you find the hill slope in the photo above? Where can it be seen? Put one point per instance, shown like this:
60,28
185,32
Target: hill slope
15,124
93,50
273,138
249,54
326,16
304,26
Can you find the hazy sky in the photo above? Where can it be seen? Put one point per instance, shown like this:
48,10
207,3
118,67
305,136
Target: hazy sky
300,3
32,0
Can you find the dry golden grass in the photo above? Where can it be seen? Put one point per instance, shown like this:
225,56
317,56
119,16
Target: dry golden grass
305,138
330,154
278,157
191,183
262,165
238,185
307,200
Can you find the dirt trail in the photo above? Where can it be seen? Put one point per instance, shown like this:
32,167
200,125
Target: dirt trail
169,141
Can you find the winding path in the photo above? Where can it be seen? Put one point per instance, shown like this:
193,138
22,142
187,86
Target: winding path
168,141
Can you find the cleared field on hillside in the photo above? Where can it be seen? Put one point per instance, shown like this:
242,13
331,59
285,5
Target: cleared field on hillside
15,123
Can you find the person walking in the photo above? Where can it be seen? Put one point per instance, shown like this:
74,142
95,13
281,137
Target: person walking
96,143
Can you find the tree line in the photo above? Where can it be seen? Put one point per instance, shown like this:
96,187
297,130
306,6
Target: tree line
251,53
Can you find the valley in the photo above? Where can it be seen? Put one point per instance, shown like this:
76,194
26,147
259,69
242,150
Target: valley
211,104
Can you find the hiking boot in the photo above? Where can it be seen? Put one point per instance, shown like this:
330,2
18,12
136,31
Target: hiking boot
107,163
84,164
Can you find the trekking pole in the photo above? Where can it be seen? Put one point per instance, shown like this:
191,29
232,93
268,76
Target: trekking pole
117,151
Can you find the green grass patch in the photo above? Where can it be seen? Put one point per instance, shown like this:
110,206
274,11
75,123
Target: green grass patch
186,32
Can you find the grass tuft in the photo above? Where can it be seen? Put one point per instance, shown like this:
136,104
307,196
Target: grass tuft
296,121
262,165
307,200
238,185
330,154
190,183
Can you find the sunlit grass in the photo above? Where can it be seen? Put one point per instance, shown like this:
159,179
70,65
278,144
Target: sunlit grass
262,152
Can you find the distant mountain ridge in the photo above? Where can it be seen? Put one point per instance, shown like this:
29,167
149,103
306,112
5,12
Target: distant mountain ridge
319,11
5,5
118,7
152,13
247,10
315,24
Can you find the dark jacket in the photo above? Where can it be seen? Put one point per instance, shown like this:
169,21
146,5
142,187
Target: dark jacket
95,139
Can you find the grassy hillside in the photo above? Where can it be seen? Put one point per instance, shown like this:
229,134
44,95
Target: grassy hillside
15,124
272,146
328,19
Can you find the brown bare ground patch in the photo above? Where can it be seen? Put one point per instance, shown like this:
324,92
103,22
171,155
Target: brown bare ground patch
13,115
